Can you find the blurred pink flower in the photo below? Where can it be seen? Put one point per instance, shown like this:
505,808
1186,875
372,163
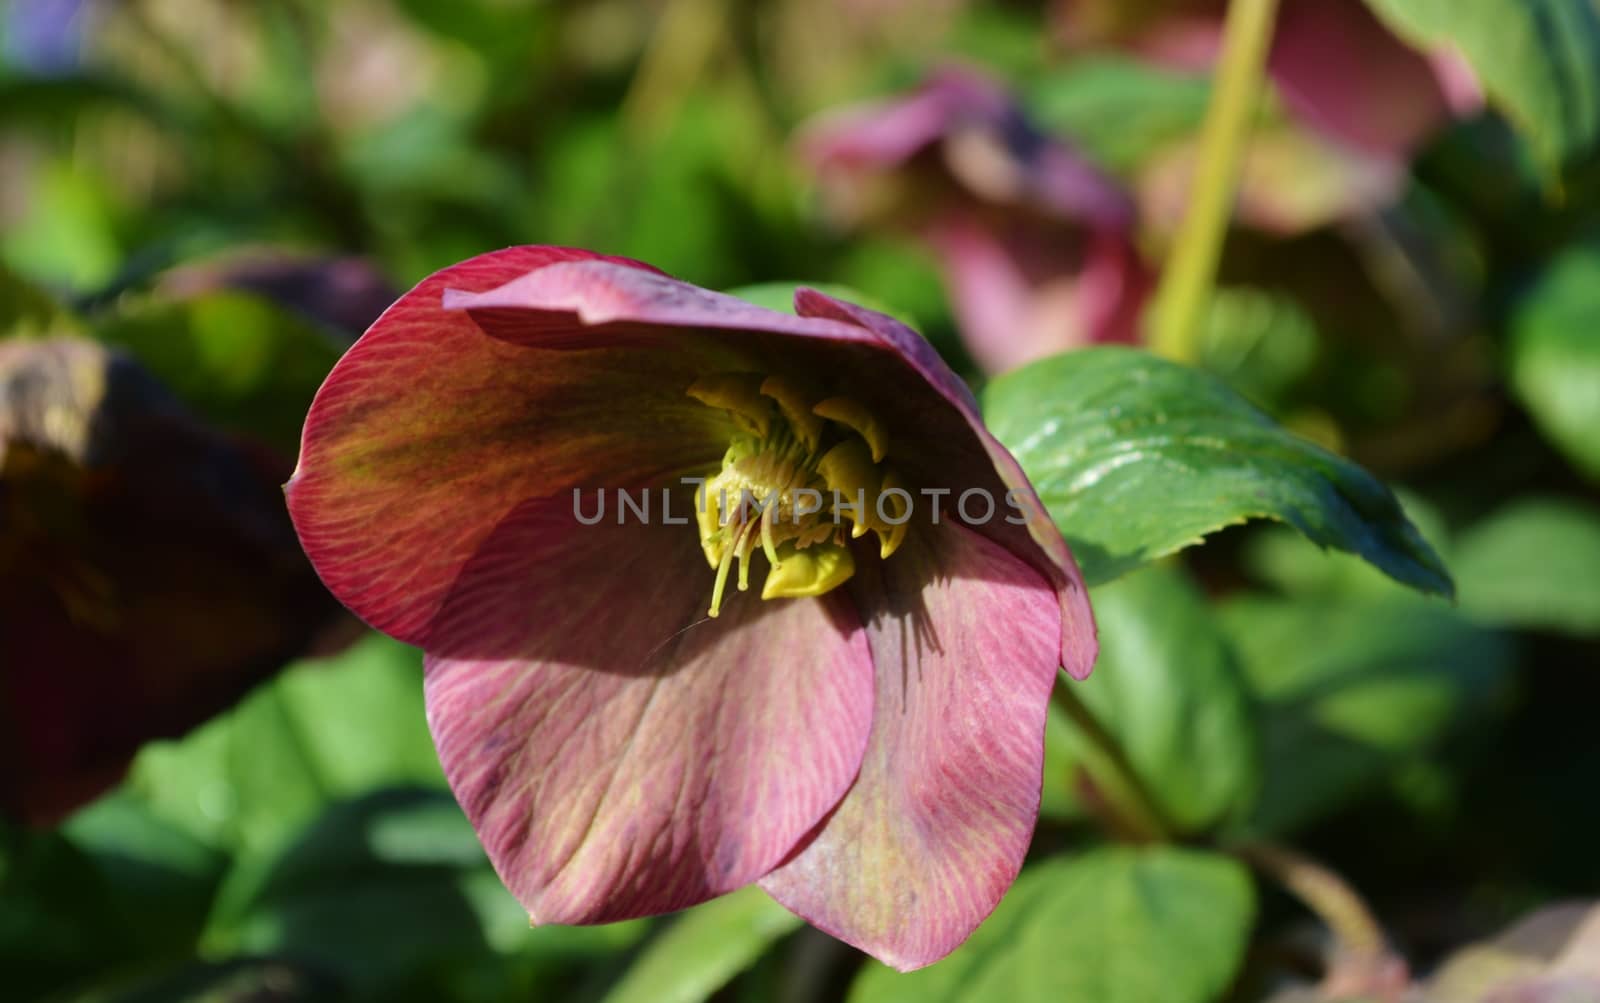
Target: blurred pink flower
1371,99
1551,955
1036,244
867,744
341,294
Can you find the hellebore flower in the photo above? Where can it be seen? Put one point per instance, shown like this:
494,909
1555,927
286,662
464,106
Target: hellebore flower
341,294
863,737
1551,955
1036,244
149,575
1341,73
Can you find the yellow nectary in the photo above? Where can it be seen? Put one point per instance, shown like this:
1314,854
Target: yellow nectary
803,475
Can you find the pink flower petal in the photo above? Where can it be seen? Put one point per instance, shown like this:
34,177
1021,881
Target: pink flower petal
1462,89
428,432
1024,291
875,134
618,754
1344,73
934,830
987,146
580,383
1339,69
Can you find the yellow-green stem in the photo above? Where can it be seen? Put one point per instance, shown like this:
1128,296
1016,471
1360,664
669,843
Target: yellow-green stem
685,40
1192,268
1324,892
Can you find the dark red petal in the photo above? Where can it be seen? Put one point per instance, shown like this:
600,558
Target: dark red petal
428,433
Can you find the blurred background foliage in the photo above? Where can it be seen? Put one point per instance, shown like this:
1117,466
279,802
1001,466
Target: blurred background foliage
225,193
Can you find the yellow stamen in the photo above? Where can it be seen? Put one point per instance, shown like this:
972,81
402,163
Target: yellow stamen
707,521
739,394
768,545
851,414
722,581
802,474
849,470
795,404
892,534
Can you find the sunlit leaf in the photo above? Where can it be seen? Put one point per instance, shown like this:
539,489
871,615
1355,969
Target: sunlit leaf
1136,457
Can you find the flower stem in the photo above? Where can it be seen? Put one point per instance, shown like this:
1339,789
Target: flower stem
684,43
1324,893
1191,270
1135,811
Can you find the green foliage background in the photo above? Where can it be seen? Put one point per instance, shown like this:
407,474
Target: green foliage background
1437,752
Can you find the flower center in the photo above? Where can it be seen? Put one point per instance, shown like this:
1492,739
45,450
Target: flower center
803,475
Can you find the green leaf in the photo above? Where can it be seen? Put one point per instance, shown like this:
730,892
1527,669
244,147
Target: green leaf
250,779
1119,109
395,855
1259,342
1136,457
1167,685
1060,798
640,204
112,890
1534,564
67,230
1158,925
238,360
1554,356
1282,559
1538,60
779,296
58,923
160,879
393,891
705,948
1353,688
195,835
